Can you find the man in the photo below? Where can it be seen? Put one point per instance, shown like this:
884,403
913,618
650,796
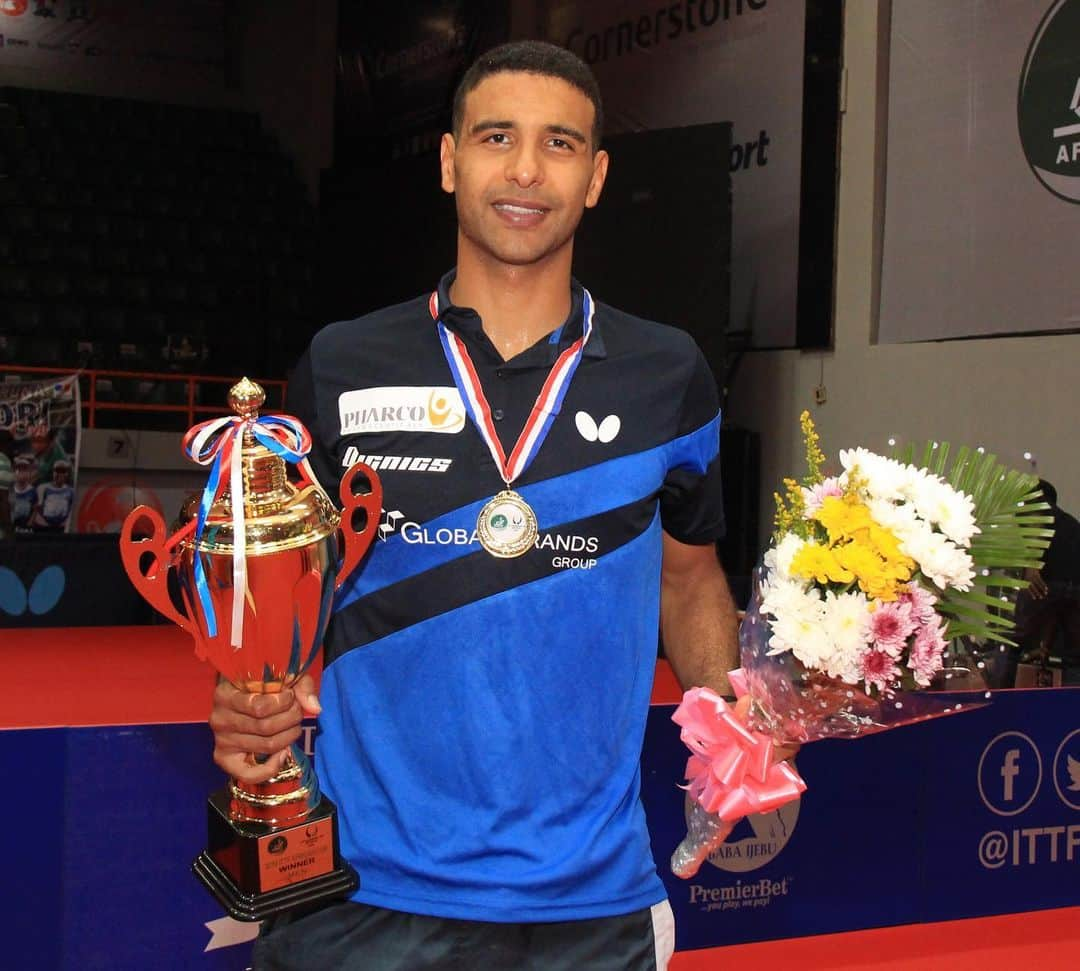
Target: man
23,494
488,671
1048,611
55,499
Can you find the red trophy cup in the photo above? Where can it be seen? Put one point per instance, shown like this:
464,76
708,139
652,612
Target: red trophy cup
254,567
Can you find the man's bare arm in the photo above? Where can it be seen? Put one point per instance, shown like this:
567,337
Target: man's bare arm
697,616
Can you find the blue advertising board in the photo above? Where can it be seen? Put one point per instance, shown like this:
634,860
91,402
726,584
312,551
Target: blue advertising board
971,815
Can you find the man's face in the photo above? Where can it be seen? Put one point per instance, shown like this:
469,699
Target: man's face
522,168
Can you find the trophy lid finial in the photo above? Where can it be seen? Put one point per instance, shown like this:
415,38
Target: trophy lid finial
246,398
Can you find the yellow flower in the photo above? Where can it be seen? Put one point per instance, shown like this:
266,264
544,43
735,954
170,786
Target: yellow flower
843,516
814,561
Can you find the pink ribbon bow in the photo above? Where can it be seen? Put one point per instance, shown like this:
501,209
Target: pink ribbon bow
731,772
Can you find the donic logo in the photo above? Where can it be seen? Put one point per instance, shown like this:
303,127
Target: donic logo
1048,106
45,591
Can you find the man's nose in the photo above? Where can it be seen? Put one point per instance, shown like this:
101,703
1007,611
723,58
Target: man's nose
525,167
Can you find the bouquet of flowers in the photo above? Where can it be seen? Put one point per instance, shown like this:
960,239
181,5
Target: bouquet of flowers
873,575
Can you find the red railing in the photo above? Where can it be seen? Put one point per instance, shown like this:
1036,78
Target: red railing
89,378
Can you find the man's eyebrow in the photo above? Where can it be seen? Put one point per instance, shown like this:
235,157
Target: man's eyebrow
572,133
495,124
489,123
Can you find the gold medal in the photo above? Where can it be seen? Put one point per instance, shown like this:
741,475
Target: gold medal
506,526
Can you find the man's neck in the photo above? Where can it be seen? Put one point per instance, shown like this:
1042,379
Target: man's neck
518,305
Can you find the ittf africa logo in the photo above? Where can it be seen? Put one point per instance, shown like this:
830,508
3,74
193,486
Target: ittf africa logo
1048,105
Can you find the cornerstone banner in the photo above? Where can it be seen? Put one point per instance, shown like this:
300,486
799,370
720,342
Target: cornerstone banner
701,61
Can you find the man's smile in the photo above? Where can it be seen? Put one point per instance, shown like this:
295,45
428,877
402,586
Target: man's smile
520,213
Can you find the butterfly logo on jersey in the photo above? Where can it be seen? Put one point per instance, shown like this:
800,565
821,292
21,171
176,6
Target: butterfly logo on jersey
605,432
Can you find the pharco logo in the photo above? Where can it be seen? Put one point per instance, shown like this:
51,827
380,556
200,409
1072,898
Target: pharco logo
1048,105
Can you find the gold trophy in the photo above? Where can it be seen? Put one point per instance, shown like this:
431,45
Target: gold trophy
253,583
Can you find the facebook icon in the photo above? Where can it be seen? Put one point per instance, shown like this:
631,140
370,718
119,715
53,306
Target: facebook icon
1010,773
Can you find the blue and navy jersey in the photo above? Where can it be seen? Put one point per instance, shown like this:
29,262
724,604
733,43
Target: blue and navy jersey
483,718
55,503
22,502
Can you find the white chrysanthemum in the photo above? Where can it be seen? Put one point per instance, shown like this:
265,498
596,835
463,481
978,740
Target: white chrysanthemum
847,622
797,618
778,559
843,666
947,565
951,511
899,518
807,637
885,478
784,597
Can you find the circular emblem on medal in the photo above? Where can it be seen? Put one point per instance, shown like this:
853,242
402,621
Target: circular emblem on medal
506,525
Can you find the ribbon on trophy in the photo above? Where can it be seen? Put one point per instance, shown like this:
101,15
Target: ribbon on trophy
731,772
217,443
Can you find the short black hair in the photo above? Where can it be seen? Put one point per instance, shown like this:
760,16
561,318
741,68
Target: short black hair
532,57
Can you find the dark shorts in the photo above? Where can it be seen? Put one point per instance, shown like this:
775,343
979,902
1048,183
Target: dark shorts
355,937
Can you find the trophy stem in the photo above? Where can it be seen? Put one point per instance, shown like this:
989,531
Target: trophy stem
287,797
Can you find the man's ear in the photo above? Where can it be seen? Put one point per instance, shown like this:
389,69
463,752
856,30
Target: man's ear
596,184
446,162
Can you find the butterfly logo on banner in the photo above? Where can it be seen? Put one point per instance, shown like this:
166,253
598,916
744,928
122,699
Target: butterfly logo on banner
44,593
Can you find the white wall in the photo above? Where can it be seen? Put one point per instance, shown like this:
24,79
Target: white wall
1009,394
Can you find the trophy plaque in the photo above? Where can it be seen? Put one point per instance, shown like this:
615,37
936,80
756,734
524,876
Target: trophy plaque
250,573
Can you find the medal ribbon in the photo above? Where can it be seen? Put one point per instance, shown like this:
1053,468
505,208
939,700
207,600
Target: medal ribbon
218,443
544,411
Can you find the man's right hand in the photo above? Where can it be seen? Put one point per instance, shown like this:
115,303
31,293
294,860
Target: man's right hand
247,725
1036,584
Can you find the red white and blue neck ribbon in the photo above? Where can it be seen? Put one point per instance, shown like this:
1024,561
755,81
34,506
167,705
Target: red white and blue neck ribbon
544,411
218,443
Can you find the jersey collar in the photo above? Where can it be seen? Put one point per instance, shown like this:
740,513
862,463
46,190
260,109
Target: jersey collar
466,322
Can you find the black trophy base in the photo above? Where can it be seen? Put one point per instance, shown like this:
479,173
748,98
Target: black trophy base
255,870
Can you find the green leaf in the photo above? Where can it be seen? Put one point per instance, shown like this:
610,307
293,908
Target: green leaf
1013,520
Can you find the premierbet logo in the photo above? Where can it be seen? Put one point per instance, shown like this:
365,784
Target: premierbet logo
1048,107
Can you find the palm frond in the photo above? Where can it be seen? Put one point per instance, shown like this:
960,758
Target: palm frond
1014,529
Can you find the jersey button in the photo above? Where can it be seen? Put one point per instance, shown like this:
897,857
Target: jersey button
497,414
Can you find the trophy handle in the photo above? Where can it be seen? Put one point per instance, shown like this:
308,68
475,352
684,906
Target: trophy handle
153,581
357,543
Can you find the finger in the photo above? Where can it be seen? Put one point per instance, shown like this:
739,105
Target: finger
252,703
225,721
258,744
304,690
742,708
239,766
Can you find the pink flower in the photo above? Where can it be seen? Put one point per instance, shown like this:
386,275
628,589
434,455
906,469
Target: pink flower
817,494
877,669
922,603
891,625
926,653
